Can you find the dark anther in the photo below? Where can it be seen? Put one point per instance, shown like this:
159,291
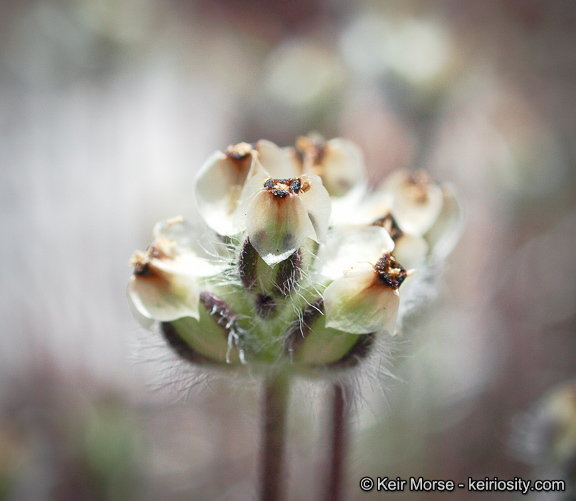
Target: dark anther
390,272
279,193
142,270
155,252
281,188
296,185
390,225
265,305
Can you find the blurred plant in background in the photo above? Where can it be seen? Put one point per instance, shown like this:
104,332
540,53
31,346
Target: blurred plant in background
545,437
107,106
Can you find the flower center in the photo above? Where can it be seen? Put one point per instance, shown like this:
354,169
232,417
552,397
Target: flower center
390,225
281,188
390,272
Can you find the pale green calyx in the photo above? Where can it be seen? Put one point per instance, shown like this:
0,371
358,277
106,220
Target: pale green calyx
276,276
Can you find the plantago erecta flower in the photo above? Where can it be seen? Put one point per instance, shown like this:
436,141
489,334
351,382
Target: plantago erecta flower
299,265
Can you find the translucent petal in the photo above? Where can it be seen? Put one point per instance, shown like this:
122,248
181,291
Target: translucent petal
342,167
345,249
164,296
410,250
361,209
445,232
193,237
218,187
318,205
358,303
275,160
416,200
189,264
277,227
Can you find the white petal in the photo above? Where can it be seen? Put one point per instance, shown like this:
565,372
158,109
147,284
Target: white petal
317,202
410,250
277,227
275,160
218,187
164,297
189,264
416,200
191,238
358,303
345,249
342,167
445,232
354,212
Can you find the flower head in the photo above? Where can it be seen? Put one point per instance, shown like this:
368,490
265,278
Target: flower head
299,265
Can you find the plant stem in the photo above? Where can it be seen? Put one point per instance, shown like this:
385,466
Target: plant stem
339,444
274,407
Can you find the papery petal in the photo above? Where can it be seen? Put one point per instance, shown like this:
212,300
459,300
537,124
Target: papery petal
410,250
275,160
318,205
345,249
416,200
341,167
445,232
194,239
164,294
277,227
219,185
255,183
360,304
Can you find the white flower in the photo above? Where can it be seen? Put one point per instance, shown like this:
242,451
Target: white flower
364,297
279,215
165,284
221,179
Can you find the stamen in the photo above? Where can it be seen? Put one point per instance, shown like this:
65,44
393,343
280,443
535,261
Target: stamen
390,272
281,188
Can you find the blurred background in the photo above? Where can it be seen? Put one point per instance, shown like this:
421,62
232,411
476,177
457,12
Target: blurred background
107,110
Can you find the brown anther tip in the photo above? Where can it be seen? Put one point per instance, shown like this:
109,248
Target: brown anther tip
312,148
137,259
390,225
142,270
281,188
417,184
155,252
390,272
238,151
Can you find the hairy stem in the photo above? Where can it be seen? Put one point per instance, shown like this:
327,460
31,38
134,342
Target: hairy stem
339,444
274,408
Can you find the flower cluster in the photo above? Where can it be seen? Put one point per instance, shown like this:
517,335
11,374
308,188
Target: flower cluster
296,263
